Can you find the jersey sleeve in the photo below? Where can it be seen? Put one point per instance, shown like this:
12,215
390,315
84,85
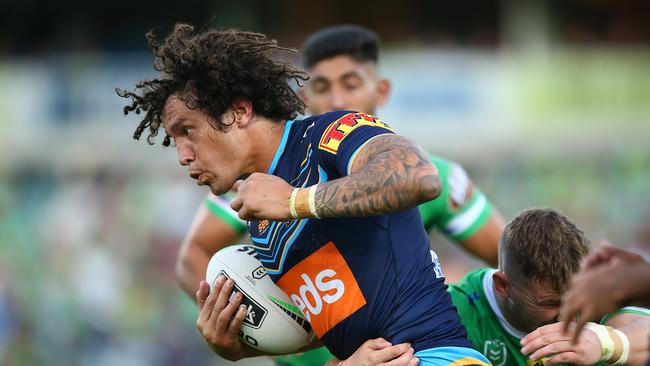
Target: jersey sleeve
626,310
219,206
462,209
338,142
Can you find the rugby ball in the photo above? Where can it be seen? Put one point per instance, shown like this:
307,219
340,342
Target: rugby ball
273,323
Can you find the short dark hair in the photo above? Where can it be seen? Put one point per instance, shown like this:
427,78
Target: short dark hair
543,245
208,71
351,40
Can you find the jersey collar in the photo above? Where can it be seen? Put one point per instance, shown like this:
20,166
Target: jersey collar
280,150
488,289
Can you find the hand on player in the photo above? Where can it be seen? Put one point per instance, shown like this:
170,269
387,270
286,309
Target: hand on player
380,352
262,196
551,341
216,322
598,289
606,254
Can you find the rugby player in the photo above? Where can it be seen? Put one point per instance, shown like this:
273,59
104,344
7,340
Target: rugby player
330,198
511,313
342,62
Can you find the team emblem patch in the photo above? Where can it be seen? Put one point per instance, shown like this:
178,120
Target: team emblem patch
495,350
342,127
262,226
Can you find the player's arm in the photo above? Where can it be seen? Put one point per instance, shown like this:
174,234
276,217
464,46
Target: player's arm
628,343
390,173
208,234
636,327
463,213
484,244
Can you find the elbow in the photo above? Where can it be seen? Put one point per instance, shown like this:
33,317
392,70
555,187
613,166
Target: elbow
180,267
430,184
183,264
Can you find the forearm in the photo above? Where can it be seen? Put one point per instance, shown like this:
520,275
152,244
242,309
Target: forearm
191,264
389,174
484,244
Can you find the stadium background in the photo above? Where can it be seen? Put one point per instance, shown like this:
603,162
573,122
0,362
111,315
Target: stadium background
546,103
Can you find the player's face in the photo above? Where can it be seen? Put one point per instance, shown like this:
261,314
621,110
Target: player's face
213,158
342,82
532,304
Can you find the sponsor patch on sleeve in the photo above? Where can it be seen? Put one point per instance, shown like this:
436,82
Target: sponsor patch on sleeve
342,127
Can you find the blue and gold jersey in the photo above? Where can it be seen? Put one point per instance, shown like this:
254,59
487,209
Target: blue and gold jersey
353,278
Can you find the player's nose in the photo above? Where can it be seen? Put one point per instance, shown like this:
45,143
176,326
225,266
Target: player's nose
185,154
338,101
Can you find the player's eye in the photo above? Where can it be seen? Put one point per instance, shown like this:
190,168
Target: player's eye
352,85
186,131
319,87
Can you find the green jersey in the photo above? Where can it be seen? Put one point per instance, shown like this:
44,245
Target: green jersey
487,328
459,212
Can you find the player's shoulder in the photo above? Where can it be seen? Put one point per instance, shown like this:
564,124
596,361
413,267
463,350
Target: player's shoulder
470,283
327,131
470,299
627,310
313,126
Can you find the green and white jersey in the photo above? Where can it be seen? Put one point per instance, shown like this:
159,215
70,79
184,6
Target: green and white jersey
220,207
459,212
487,328
461,209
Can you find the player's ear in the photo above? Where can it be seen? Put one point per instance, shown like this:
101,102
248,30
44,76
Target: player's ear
501,283
384,88
242,110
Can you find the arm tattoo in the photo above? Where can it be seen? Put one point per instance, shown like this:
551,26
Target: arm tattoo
391,173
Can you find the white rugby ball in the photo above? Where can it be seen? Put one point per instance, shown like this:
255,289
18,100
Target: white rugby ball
273,323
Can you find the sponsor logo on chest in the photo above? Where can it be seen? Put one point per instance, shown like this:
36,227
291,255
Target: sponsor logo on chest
324,288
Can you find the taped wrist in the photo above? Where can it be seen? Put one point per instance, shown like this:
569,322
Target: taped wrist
302,203
614,345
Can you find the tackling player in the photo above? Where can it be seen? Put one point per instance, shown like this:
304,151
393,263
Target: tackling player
328,198
342,63
511,313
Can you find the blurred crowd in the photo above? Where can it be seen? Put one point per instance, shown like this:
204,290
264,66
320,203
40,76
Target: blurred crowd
87,270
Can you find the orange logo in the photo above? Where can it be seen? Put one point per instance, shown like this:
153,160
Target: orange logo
262,226
339,129
324,288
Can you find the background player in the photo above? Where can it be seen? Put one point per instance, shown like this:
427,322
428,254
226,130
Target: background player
342,63
228,106
511,313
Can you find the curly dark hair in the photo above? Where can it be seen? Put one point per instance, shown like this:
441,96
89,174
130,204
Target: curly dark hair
208,71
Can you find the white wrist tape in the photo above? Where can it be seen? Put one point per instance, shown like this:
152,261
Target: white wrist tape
614,345
292,203
626,348
312,200
606,342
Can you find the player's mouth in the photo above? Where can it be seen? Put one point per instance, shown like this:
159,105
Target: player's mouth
195,174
